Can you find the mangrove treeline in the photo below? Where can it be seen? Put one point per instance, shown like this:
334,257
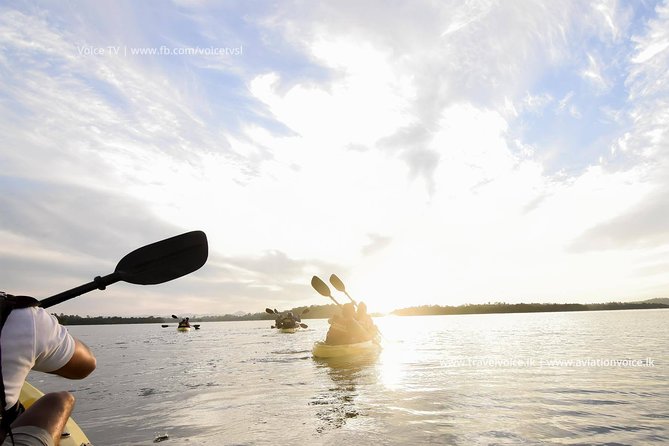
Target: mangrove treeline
500,307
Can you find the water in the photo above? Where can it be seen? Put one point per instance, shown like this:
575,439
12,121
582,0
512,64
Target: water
462,380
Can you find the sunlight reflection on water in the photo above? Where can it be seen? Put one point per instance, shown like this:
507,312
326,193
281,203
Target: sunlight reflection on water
478,379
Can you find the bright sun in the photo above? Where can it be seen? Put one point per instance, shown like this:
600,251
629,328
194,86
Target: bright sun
387,286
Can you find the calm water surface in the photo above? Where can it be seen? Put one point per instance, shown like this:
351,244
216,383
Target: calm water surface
551,378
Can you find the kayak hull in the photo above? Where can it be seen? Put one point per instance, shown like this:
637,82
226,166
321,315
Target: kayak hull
323,350
183,328
76,437
288,330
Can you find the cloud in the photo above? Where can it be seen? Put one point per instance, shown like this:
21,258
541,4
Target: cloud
376,243
643,226
63,231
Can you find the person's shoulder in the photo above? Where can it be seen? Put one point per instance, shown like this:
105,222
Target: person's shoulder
25,315
46,322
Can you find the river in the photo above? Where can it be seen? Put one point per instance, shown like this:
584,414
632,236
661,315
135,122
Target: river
547,378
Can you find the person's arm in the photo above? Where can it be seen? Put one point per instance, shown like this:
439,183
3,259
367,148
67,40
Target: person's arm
57,351
80,365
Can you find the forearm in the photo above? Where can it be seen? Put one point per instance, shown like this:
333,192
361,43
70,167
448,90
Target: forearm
81,364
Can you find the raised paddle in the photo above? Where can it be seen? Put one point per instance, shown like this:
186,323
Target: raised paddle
322,289
305,311
339,285
152,264
270,311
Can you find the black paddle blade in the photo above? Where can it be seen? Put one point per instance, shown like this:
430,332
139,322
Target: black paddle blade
338,284
304,326
320,286
165,260
174,316
269,310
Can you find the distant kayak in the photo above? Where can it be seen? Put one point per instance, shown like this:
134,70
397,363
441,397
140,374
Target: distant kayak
323,350
72,436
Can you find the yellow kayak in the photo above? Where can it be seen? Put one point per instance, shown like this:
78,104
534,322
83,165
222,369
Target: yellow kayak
183,328
323,350
73,435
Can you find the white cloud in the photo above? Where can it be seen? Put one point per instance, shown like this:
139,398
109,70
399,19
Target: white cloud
594,74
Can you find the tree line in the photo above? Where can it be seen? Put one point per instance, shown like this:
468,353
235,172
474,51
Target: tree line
501,307
327,311
315,312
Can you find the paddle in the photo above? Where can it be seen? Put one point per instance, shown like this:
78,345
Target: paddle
164,326
323,289
339,285
305,311
152,264
270,311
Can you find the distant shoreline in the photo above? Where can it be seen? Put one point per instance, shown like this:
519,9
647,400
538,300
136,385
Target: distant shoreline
503,308
326,311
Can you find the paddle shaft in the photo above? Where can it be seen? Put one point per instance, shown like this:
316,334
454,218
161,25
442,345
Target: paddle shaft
99,283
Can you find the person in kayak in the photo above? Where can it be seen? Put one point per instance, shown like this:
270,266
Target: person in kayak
32,339
289,320
345,329
365,319
184,323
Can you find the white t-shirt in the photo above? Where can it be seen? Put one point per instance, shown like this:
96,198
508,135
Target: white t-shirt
31,339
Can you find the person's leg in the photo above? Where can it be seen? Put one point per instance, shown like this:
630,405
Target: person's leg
49,413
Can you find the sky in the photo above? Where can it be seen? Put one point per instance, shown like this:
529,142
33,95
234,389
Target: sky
444,153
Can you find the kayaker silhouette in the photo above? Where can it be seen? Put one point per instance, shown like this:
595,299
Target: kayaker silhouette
365,319
345,328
